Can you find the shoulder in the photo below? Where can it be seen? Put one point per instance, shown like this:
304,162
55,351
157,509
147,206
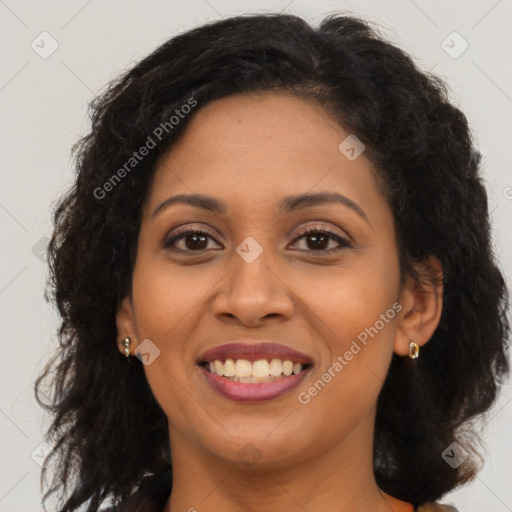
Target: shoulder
436,507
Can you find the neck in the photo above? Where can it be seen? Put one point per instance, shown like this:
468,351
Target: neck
339,479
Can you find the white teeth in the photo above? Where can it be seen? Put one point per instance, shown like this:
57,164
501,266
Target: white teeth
287,367
242,370
276,367
260,368
229,368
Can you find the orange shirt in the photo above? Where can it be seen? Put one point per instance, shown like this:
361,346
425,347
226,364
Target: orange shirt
398,505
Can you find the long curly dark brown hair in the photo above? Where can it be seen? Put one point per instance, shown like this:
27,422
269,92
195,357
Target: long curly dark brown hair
110,436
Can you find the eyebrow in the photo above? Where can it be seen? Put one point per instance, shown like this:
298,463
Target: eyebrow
286,205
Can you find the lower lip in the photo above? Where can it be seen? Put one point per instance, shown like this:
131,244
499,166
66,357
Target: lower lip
253,392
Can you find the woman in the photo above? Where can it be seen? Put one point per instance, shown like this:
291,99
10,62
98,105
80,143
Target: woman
276,281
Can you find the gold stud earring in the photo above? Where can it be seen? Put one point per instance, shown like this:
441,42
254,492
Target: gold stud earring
126,343
414,350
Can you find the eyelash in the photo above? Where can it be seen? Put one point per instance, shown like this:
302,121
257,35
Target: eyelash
343,243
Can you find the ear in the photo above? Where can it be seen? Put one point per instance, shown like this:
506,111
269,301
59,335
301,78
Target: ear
422,306
125,323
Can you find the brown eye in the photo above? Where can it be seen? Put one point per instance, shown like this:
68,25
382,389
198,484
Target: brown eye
194,240
318,239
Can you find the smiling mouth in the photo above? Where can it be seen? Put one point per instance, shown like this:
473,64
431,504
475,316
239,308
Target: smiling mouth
250,372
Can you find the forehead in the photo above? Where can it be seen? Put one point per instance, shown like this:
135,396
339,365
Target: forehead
253,149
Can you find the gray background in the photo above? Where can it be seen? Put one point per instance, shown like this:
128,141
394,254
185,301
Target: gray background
43,110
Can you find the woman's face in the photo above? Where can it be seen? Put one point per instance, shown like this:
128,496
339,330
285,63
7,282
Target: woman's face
251,277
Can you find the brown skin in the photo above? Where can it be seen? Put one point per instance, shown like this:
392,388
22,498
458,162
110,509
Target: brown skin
250,151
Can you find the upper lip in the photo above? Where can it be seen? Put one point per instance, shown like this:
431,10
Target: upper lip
254,352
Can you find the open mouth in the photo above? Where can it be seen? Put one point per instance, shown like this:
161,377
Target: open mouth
262,370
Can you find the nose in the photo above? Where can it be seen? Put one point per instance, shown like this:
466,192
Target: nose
253,292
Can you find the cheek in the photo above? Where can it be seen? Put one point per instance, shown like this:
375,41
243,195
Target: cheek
164,297
352,371
350,299
355,316
166,304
